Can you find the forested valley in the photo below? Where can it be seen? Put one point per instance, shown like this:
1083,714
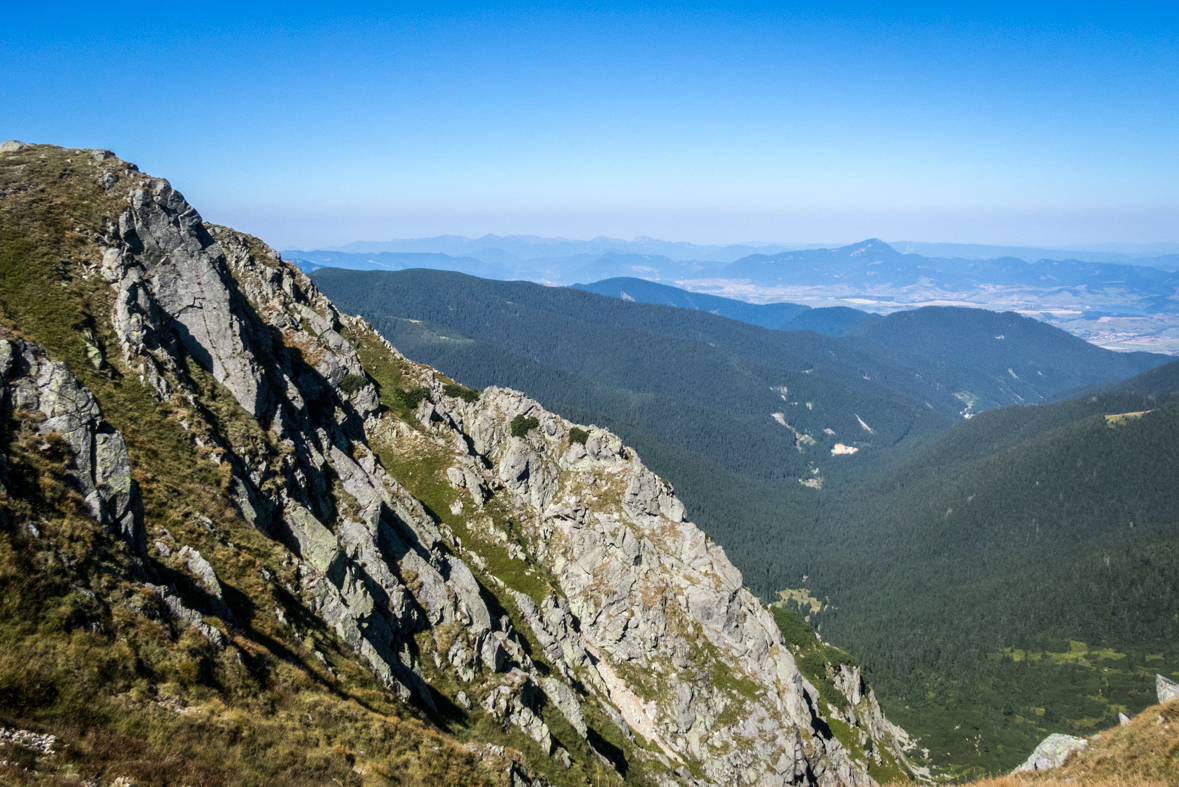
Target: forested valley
998,577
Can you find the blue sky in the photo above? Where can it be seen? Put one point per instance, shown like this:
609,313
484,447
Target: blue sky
1050,126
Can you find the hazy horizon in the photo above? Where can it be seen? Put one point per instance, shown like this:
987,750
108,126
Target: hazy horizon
1145,249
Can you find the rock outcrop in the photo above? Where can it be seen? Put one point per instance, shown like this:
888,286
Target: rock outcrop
44,390
1166,688
557,587
1052,752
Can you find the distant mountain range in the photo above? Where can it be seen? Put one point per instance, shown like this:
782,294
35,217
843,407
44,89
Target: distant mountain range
1157,255
528,247
873,272
875,266
1114,304
510,248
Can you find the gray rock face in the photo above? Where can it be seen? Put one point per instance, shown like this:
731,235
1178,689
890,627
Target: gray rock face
639,614
644,593
565,700
11,146
516,702
174,256
187,615
1166,688
1052,752
184,287
101,468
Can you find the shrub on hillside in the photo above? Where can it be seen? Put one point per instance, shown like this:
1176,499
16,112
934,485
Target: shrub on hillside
460,392
352,383
412,398
522,425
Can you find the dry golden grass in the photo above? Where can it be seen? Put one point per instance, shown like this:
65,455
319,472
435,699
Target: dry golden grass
1048,780
1143,753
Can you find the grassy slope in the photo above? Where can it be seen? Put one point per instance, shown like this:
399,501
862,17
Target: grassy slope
86,654
89,655
1143,753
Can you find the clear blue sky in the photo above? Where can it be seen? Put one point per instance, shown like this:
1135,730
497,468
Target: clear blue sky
706,123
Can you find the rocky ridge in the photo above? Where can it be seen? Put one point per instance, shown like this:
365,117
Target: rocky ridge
551,584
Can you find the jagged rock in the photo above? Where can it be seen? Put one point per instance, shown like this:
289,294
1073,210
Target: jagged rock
187,275
101,468
516,702
555,630
207,580
187,615
565,701
640,612
1052,752
201,570
494,656
466,478
1123,719
1166,688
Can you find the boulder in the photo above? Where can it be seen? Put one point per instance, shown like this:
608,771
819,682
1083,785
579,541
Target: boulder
1052,752
1166,688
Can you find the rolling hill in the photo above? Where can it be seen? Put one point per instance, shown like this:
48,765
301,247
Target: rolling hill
745,420
829,321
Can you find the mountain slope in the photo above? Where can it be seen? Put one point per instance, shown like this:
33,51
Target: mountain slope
245,540
830,321
1052,531
1142,752
920,601
977,348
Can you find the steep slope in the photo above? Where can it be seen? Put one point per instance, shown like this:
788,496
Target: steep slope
695,380
286,554
997,359
876,542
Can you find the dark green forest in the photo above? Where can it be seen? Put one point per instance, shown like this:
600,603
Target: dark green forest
998,578
829,321
1025,529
